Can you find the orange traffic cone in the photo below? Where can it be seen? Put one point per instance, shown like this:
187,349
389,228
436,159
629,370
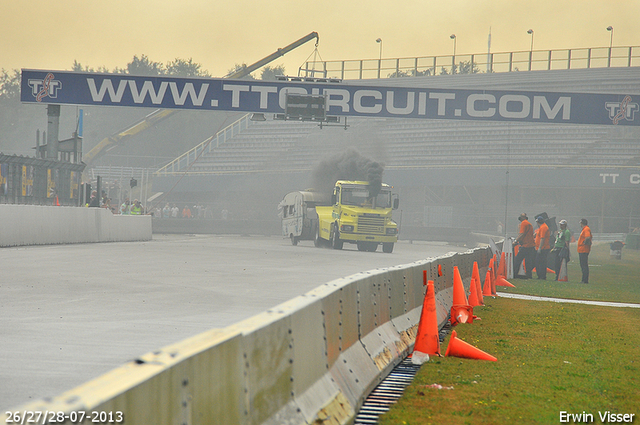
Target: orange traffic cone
550,271
492,269
475,274
486,290
459,295
563,276
427,340
459,348
502,266
473,296
461,311
501,281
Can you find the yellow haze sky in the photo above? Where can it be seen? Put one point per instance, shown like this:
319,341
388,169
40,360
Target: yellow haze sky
44,34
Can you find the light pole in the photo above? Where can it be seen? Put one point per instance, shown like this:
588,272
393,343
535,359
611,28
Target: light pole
453,59
530,31
379,41
610,29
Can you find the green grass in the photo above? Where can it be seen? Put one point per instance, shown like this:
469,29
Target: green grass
551,357
610,279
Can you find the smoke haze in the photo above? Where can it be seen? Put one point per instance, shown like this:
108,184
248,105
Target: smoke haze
348,165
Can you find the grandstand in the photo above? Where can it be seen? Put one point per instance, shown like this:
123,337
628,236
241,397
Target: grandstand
422,157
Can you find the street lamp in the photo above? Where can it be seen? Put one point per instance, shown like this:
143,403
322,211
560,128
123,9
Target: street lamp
610,29
379,41
453,59
530,31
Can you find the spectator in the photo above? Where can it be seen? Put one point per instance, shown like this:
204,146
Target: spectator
175,211
584,248
166,211
106,201
125,208
543,247
527,251
136,208
208,212
94,202
186,212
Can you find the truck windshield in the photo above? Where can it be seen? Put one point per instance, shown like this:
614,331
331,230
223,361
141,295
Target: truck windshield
360,196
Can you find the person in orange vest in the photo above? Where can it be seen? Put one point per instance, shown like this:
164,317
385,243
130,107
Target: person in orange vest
584,248
527,250
542,248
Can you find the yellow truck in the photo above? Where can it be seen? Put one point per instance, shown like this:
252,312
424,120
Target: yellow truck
353,214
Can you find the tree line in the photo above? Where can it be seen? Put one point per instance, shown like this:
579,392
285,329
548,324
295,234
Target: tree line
10,80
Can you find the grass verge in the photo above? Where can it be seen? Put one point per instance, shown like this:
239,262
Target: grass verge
610,279
552,357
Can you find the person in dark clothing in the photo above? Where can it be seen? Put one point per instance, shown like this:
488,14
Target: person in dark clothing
95,200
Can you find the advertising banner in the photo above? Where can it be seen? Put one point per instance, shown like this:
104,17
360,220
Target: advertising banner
4,177
27,180
342,98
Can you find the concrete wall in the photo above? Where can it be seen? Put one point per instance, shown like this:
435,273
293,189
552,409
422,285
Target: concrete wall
42,225
310,360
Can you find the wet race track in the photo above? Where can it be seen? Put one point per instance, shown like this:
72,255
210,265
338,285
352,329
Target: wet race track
70,313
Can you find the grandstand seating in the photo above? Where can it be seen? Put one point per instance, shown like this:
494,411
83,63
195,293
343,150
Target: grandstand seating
289,146
419,143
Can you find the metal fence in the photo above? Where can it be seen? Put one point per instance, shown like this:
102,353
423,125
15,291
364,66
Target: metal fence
35,181
529,60
183,162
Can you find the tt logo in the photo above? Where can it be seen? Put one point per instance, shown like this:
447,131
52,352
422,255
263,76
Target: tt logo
43,88
624,110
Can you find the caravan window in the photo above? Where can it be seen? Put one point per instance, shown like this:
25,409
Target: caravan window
292,210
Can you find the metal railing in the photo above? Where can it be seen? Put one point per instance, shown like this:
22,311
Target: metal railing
529,60
183,161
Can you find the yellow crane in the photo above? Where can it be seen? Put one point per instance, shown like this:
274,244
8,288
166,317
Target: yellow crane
158,115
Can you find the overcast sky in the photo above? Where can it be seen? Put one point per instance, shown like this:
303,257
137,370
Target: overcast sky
46,34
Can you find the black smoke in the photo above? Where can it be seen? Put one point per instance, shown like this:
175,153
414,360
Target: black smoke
349,165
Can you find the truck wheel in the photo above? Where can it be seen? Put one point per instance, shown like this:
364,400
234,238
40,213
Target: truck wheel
335,241
387,247
317,241
294,240
373,246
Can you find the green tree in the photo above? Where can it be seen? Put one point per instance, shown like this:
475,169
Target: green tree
143,66
411,73
185,68
271,72
9,85
240,67
464,67
77,67
399,74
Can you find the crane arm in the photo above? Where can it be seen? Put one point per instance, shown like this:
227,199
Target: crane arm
103,146
275,55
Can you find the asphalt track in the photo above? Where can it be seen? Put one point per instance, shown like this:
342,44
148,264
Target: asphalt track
69,313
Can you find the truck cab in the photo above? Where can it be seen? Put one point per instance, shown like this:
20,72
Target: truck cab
358,216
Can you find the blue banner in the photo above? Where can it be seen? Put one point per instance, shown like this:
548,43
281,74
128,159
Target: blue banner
342,98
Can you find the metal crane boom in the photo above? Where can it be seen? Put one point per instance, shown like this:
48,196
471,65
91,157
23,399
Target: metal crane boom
275,55
160,114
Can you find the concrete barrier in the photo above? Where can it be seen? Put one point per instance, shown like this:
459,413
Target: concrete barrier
310,360
43,225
